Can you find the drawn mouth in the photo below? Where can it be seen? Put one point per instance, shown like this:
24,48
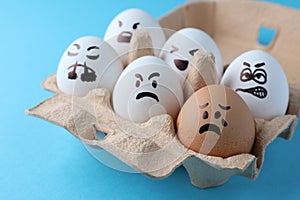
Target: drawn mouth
147,94
124,36
210,127
181,64
72,74
89,74
259,92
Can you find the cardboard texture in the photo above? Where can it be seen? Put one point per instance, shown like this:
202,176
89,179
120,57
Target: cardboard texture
202,72
152,147
140,45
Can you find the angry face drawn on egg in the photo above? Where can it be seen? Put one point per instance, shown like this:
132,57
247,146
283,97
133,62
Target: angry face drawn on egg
181,46
216,121
121,28
88,63
147,87
259,79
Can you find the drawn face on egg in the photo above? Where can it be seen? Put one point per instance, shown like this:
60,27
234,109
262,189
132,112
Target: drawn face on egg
259,79
88,63
178,52
259,76
213,127
221,125
121,28
149,94
147,87
89,74
179,49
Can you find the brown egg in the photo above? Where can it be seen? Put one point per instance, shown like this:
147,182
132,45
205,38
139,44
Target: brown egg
216,121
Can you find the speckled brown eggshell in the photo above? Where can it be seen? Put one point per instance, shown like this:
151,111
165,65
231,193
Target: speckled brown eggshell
216,121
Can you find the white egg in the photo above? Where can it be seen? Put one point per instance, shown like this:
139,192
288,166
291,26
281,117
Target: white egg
181,46
147,87
259,79
88,63
119,31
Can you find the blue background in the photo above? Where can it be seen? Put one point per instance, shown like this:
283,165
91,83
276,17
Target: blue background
39,160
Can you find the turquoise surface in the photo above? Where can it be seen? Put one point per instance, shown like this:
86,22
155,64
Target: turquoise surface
39,160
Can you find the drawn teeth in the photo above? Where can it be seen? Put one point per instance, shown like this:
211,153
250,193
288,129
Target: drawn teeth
259,92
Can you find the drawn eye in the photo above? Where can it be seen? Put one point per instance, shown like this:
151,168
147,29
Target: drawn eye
137,83
246,75
260,76
193,51
93,57
154,83
120,23
174,49
135,26
205,115
72,54
77,46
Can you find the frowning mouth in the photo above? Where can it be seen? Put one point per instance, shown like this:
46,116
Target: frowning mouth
210,127
259,92
147,94
124,36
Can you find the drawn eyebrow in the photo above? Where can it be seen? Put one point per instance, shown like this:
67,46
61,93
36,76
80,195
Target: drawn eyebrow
77,46
154,74
92,47
224,107
259,65
174,49
246,64
139,76
203,106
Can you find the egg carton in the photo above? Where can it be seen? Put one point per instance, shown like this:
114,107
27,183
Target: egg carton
153,148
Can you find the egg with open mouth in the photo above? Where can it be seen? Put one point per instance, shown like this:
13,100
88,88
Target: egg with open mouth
146,88
181,46
260,80
120,31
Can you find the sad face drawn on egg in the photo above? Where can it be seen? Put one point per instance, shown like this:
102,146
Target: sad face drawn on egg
217,116
216,121
149,94
88,63
146,88
260,80
259,76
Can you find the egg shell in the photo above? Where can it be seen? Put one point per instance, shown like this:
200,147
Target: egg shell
146,88
181,46
88,63
216,121
260,80
120,30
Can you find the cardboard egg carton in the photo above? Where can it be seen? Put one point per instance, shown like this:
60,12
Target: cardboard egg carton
152,148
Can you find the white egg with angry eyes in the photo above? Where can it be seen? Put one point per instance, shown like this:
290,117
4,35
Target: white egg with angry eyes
260,80
88,63
146,88
121,28
179,49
